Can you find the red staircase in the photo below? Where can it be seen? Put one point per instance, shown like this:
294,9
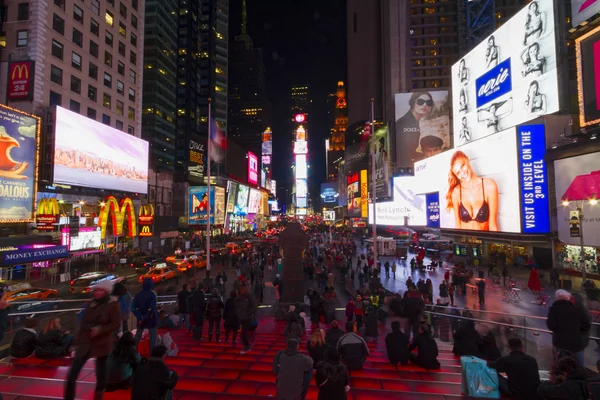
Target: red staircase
217,371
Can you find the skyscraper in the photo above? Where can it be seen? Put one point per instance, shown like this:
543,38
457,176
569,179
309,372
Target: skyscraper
160,83
300,99
337,130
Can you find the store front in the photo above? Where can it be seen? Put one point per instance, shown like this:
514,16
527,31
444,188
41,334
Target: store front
568,257
32,262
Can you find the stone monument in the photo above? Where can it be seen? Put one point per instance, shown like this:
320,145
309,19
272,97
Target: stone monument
293,241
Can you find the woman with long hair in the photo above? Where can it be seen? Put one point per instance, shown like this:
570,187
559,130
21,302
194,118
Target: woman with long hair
332,377
473,200
534,24
53,342
533,61
122,363
316,345
535,101
492,56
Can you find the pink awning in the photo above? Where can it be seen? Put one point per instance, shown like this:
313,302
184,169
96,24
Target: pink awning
583,187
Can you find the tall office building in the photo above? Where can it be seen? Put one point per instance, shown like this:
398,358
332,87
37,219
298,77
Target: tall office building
86,56
338,120
201,71
300,99
249,110
160,83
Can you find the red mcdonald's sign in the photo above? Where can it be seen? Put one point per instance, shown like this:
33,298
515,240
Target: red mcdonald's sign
20,80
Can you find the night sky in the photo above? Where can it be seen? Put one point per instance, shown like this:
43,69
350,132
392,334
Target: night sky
302,42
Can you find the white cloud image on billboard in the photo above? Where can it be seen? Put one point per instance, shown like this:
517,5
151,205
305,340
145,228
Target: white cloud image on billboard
508,79
479,190
406,204
90,154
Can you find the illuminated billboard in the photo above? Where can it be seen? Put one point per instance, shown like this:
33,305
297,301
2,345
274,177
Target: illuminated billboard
422,125
300,147
407,208
301,188
196,156
199,212
219,206
252,168
582,10
329,194
232,196
301,167
241,204
19,136
254,200
588,77
508,79
90,154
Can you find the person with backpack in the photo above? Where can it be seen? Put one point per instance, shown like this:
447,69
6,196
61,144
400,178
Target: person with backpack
213,313
144,309
293,371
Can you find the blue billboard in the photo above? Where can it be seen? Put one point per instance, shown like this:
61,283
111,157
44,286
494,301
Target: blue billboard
494,83
534,180
18,165
329,194
432,200
198,212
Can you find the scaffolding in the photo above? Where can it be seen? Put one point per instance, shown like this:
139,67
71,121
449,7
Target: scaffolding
476,21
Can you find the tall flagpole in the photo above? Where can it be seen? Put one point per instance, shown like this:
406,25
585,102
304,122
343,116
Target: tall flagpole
373,181
209,149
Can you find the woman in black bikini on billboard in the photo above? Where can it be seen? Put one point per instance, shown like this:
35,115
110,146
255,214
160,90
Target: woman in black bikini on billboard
473,200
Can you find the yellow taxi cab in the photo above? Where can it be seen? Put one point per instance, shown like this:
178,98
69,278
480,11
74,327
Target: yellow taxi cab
161,272
182,262
198,261
30,293
233,247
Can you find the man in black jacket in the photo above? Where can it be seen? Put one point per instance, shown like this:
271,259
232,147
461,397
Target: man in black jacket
246,310
214,310
198,308
567,323
333,334
153,379
184,313
522,373
396,344
352,348
427,350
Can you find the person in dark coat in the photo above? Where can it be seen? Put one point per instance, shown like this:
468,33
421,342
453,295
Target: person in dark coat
581,303
25,340
293,329
125,299
100,319
246,309
568,323
315,305
522,373
208,282
427,350
122,363
144,309
333,334
413,307
199,309
316,345
467,341
396,344
370,330
4,320
231,322
481,291
53,342
153,379
214,310
184,313
332,377
569,382
352,348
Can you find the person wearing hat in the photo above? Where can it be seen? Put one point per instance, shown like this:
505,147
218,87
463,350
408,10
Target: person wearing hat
332,377
100,318
431,145
293,371
567,322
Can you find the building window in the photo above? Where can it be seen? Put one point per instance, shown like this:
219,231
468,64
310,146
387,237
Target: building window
94,27
75,84
122,29
108,58
76,61
133,40
60,4
109,18
131,76
120,68
134,4
134,21
111,2
130,130
107,80
77,14
94,48
93,71
56,74
131,113
22,38
96,7
57,49
91,113
77,37
120,88
119,125
122,48
108,39
92,93
74,106
55,99
23,12
131,94
106,100
120,107
58,24
122,10
132,57
105,119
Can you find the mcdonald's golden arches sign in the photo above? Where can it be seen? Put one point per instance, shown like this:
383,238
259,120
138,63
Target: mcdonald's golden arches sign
47,214
20,80
146,220
120,211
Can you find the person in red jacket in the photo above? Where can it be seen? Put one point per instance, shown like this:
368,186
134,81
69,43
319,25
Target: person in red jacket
350,309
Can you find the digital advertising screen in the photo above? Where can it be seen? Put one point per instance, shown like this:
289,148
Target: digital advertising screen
267,147
478,184
406,208
219,205
356,157
18,165
252,168
254,201
232,196
301,188
588,77
329,194
89,238
300,147
199,210
90,154
422,125
301,168
196,156
241,204
383,163
582,10
432,201
353,193
508,79
575,178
